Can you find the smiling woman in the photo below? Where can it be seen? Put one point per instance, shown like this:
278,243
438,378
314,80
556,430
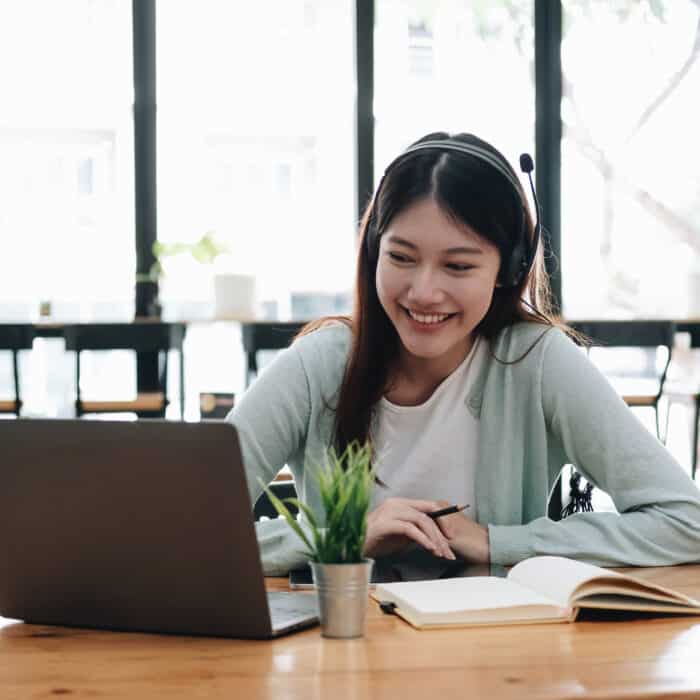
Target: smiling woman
455,371
438,203
453,248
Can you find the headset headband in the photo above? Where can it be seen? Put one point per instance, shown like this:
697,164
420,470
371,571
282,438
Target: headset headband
468,149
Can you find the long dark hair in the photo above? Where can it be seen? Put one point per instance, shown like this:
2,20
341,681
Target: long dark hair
471,192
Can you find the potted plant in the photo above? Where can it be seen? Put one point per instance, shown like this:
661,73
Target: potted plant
206,250
234,294
335,545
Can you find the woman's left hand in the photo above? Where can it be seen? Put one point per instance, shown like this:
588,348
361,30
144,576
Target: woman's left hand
467,538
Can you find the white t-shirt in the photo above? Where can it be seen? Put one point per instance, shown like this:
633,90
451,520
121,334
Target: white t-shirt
430,451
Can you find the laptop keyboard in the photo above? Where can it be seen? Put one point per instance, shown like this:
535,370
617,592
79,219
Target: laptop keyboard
289,608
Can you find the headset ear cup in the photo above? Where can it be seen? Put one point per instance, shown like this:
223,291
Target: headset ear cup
515,267
512,268
504,273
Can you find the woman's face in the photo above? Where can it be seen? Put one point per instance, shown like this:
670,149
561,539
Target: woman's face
435,280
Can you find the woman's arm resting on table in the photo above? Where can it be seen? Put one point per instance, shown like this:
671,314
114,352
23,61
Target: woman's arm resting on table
659,506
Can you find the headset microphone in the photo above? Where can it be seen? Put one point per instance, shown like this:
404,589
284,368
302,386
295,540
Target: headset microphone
527,166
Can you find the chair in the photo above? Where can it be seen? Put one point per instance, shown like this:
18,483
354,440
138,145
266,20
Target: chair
680,393
15,337
280,487
266,335
141,337
644,387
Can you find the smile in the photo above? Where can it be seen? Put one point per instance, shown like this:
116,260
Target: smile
428,319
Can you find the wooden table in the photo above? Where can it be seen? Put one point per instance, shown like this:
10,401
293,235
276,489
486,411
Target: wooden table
653,658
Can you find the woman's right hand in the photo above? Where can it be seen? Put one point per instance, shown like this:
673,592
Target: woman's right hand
398,523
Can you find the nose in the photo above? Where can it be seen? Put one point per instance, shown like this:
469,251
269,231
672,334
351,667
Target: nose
424,290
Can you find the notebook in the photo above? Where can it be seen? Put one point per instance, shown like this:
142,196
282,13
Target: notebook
537,590
143,526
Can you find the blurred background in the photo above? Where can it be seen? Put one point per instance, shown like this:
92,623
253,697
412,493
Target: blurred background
267,126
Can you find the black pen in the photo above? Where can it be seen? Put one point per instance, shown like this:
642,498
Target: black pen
446,511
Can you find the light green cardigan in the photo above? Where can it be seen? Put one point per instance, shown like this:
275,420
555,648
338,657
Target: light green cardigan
549,409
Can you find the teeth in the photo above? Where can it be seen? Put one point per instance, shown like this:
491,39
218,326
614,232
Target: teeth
427,318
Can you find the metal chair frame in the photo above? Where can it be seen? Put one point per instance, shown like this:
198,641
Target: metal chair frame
282,489
139,337
15,337
635,334
693,329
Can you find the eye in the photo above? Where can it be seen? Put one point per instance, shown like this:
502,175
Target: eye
460,267
397,257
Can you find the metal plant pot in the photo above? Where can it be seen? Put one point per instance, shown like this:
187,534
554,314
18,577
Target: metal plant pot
342,597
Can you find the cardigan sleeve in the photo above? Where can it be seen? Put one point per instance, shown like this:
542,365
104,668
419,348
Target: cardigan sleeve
272,418
658,519
272,423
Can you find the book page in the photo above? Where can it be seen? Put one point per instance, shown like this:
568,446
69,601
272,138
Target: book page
459,595
556,577
629,602
631,588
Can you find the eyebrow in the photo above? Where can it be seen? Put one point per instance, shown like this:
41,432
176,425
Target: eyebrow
392,238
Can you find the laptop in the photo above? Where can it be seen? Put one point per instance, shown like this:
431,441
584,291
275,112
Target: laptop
141,526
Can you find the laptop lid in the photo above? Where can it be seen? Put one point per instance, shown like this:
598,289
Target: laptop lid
143,526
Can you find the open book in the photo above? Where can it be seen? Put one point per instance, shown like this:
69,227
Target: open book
537,590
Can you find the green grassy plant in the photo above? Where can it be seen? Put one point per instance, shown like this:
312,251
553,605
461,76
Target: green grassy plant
204,251
345,486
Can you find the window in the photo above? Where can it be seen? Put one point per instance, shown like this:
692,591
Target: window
66,176
456,66
66,158
256,143
630,184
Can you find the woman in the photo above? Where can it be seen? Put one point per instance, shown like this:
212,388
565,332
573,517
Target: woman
453,367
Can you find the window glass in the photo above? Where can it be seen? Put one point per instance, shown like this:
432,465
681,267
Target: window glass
256,145
66,158
456,66
630,183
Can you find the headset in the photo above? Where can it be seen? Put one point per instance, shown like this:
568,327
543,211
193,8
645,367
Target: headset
514,268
